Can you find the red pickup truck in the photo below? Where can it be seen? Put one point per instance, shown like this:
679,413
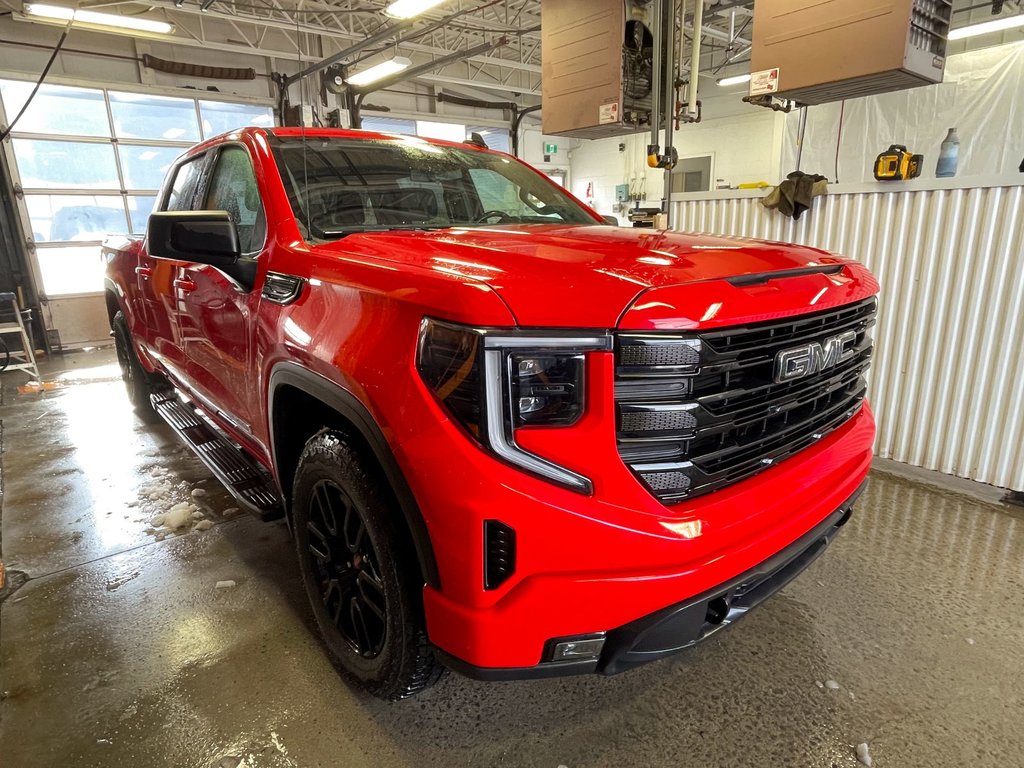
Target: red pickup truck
507,438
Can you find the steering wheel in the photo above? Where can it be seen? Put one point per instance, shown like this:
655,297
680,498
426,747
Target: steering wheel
501,216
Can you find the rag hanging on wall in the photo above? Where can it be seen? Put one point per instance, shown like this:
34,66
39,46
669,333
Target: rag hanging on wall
794,195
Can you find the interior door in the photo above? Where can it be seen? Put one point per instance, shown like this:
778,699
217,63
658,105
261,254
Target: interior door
216,311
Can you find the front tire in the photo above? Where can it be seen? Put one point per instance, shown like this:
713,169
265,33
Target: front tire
136,380
361,578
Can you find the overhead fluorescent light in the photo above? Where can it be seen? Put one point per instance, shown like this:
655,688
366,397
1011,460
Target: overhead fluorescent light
987,27
734,80
407,9
63,13
379,71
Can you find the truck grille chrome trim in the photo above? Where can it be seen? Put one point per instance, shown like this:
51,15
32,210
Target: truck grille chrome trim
689,432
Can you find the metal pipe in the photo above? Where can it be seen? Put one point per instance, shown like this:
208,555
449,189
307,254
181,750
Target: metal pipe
658,65
431,65
668,25
515,127
698,22
366,42
800,137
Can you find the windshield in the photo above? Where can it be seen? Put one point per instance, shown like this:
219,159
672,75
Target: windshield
337,186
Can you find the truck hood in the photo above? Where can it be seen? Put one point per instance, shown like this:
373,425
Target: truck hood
596,276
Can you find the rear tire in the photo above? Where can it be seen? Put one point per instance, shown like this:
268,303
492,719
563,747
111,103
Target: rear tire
136,379
361,577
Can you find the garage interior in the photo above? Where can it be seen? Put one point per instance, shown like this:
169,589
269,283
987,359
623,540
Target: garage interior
126,642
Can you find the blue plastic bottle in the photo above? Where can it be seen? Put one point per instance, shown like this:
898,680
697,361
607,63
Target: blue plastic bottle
949,153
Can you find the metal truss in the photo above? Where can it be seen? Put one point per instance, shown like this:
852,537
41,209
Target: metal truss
310,30
293,32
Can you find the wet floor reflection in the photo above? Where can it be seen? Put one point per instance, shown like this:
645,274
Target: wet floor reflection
121,650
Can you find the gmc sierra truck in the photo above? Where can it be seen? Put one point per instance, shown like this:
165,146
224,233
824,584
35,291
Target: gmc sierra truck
507,438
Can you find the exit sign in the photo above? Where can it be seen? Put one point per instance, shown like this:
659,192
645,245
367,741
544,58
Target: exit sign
550,149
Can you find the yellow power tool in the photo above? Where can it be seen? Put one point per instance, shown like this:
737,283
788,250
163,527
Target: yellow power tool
897,163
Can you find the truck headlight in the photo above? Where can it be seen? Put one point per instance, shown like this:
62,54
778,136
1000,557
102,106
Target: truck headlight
496,381
547,389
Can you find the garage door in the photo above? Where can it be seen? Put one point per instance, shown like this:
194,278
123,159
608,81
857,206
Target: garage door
89,162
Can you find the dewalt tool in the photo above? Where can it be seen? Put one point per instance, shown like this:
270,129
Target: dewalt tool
898,164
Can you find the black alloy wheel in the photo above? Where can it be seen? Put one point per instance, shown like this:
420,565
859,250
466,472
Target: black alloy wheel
341,553
359,568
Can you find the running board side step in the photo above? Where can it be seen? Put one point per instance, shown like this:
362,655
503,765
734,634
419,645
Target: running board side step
248,482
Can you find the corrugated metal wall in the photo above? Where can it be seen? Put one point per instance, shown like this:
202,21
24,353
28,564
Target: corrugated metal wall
948,378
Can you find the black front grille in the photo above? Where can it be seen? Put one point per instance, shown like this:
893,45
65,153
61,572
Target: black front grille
700,411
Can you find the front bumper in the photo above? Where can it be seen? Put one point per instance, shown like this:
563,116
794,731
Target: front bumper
677,627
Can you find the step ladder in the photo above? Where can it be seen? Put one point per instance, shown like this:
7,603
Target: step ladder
26,359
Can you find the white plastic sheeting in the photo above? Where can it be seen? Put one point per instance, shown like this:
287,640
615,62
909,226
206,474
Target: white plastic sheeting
947,383
982,96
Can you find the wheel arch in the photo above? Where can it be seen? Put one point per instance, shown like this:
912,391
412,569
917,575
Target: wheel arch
113,301
297,396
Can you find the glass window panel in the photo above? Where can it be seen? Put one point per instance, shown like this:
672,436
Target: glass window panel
67,218
495,138
389,125
138,116
139,208
56,109
65,164
221,117
446,131
144,167
71,269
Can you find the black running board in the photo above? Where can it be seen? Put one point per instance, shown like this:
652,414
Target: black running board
248,482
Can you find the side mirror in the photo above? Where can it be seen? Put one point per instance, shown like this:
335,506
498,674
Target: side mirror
203,237
611,220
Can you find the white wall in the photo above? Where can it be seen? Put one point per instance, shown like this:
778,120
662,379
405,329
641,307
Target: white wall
982,96
745,147
531,149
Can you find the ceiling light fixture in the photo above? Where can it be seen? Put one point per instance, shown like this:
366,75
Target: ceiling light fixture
379,71
63,13
407,9
987,27
734,80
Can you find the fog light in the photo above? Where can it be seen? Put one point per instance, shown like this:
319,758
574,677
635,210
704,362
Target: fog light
574,650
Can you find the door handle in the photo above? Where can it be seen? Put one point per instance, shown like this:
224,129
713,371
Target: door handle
143,272
184,284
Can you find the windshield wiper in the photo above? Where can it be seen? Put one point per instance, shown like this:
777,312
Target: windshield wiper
337,234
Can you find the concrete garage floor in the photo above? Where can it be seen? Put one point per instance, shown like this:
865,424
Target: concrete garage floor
120,651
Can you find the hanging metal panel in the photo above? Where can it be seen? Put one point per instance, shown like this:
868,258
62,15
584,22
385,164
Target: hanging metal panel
948,378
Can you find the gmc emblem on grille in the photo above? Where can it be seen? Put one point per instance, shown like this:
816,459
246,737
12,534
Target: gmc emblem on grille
811,358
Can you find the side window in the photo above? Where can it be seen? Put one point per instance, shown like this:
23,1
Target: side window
233,189
183,188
